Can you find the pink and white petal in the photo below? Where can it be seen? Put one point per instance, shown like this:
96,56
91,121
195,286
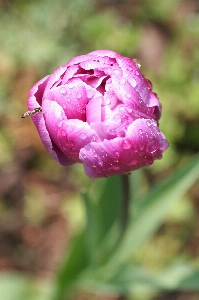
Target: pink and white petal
55,78
95,82
146,138
71,97
36,93
74,135
93,109
54,116
50,146
97,62
70,72
81,58
102,159
103,53
142,144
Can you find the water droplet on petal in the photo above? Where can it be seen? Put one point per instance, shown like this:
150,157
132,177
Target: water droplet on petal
63,90
79,96
149,161
59,123
64,105
128,96
68,99
137,62
73,150
63,133
112,132
117,154
123,81
116,72
134,162
133,82
117,118
129,109
126,144
83,136
113,168
163,144
152,145
70,85
108,101
148,123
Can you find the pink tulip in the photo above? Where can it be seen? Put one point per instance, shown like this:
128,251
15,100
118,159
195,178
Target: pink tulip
99,110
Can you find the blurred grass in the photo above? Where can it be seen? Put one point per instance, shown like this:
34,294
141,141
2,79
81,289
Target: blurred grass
38,36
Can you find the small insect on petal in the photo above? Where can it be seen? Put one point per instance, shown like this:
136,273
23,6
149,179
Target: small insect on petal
32,112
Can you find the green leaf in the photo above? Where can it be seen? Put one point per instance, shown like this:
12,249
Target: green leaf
151,211
75,262
130,279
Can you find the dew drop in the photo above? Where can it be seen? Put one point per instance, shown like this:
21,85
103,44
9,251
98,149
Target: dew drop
128,96
126,144
83,136
78,96
108,101
137,73
64,105
73,150
153,145
112,132
141,144
116,72
68,99
70,85
133,82
63,90
63,133
84,156
163,144
149,161
117,118
113,168
134,162
137,62
117,154
148,123
59,123
129,109
123,81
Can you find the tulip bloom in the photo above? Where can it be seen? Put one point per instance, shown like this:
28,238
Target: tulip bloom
98,110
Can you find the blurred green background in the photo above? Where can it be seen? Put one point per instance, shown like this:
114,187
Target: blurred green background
40,207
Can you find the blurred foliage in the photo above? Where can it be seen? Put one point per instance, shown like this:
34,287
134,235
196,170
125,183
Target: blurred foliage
40,206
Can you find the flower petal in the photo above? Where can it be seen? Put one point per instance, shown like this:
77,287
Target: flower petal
143,143
72,97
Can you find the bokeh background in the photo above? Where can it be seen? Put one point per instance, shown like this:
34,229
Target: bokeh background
40,206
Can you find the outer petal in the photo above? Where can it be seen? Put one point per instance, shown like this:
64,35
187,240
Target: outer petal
34,101
72,97
36,93
143,143
69,135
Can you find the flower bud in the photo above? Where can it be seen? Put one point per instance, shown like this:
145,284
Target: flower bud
99,110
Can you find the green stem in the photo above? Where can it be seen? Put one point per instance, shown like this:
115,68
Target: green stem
125,202
124,213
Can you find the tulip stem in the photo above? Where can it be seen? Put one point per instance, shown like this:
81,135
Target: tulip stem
125,202
124,213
